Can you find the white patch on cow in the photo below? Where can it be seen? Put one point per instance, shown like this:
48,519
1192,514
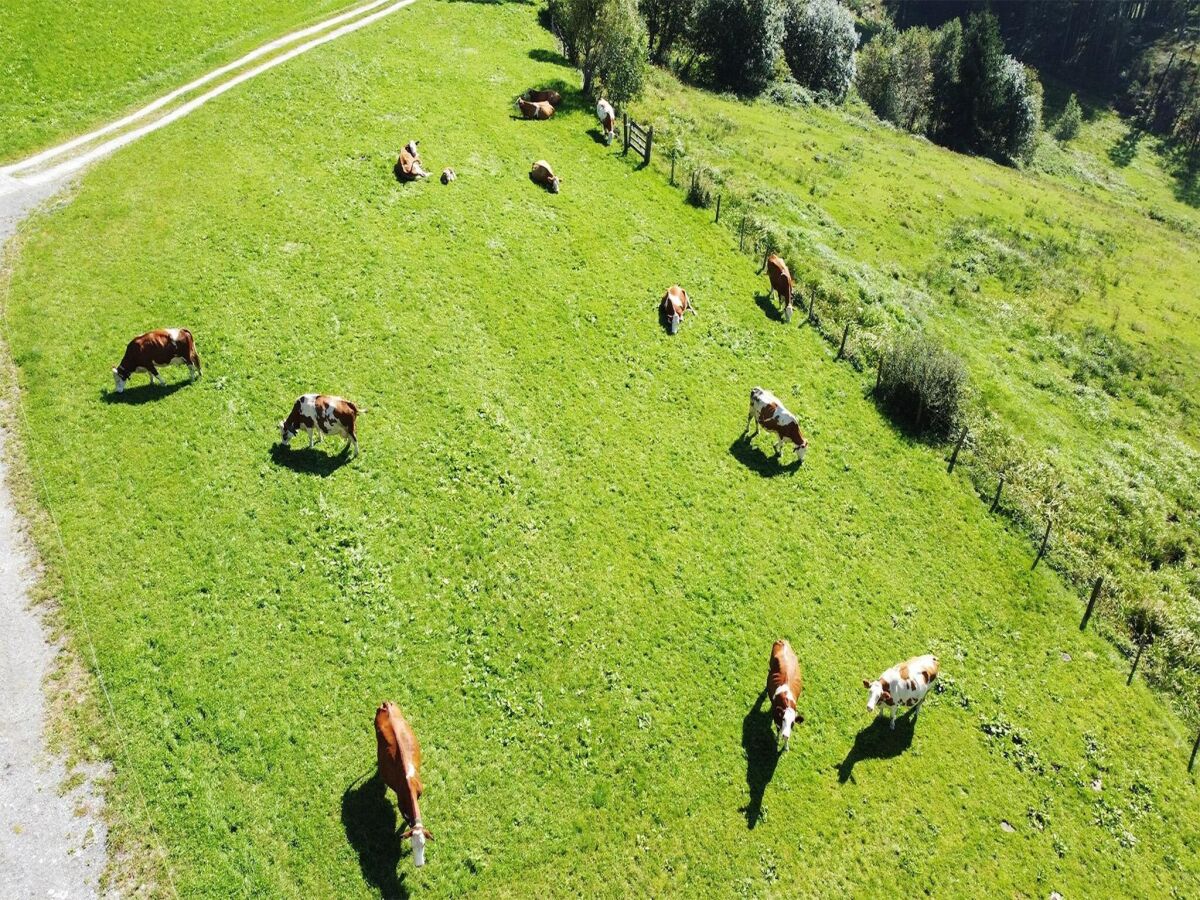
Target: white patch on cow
789,718
118,382
783,689
875,692
173,334
898,688
410,771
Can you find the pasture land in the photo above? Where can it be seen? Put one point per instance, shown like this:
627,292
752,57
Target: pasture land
555,552
62,70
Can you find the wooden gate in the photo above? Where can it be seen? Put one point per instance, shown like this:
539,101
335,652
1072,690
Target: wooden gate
639,138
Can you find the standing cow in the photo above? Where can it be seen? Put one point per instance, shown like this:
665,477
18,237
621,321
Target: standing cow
608,120
784,685
767,411
399,757
408,165
905,684
324,415
675,302
542,174
781,282
536,110
163,347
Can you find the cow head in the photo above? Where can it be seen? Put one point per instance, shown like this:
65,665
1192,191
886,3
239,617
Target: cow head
673,321
119,379
787,314
286,433
411,148
876,692
419,834
554,184
802,449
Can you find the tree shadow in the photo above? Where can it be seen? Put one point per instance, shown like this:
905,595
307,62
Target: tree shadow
1184,167
878,741
766,465
369,819
762,756
310,460
145,393
539,54
1123,151
767,305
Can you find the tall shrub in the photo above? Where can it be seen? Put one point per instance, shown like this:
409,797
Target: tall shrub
819,42
922,385
742,39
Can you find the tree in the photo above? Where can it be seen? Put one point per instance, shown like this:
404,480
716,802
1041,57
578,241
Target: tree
876,75
1019,117
601,37
945,59
742,40
819,44
667,21
621,67
1068,123
895,77
982,85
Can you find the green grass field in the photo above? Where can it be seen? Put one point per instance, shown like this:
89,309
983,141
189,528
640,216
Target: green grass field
64,69
555,553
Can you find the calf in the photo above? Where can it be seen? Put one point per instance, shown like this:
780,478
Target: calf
903,685
552,97
784,685
768,412
399,767
324,415
536,110
781,283
608,119
675,302
408,165
163,347
448,175
542,174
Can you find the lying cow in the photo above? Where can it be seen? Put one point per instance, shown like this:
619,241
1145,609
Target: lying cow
163,347
781,283
903,685
542,174
674,304
784,685
448,175
399,766
552,97
323,415
608,120
537,110
766,411
408,165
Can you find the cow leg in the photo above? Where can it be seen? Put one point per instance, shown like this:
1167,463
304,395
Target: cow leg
310,438
894,716
779,448
153,373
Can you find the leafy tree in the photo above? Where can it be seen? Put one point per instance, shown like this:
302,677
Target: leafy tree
819,44
875,77
1068,123
1019,116
621,67
895,77
945,59
742,40
603,38
667,21
981,85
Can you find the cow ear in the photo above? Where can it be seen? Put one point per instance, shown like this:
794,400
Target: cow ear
866,683
407,834
428,834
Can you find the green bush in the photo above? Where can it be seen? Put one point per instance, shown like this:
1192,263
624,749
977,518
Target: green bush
1068,123
922,385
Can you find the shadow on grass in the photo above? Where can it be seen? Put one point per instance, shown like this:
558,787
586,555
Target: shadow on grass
762,756
1184,167
878,741
310,460
1123,151
768,466
146,393
597,135
767,305
369,819
539,54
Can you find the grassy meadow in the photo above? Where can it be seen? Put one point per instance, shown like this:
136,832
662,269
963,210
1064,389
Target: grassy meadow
555,551
65,67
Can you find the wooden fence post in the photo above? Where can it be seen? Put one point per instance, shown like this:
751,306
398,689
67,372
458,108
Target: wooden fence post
842,348
625,120
812,301
1142,642
996,499
1045,541
718,218
958,446
742,234
1087,613
672,168
1195,750
878,374
649,144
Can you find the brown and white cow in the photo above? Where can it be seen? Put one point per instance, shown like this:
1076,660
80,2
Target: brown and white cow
448,175
675,302
905,684
408,165
781,283
608,119
767,411
784,685
324,415
546,96
539,109
400,767
542,174
162,347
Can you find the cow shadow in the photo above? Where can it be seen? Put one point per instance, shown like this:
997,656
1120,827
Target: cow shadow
769,307
143,393
310,460
878,741
369,819
762,756
765,464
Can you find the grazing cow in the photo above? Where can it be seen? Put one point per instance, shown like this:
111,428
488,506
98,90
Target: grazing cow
163,347
903,685
542,174
536,110
675,302
784,685
448,175
781,282
399,766
408,165
768,412
324,415
608,119
552,97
